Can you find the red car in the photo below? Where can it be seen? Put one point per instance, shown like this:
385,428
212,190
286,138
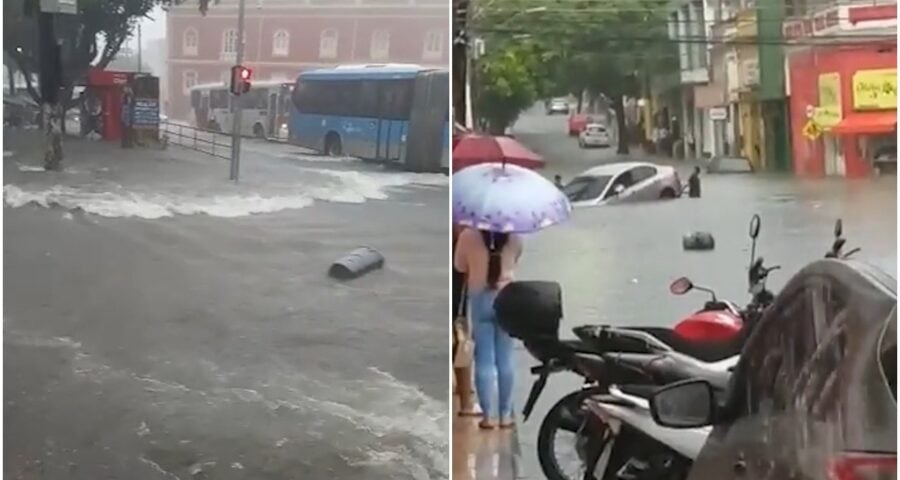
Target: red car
578,122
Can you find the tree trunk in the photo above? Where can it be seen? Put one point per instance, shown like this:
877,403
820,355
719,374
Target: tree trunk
11,73
619,107
580,101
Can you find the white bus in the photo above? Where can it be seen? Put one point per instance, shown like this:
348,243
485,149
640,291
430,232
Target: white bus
266,108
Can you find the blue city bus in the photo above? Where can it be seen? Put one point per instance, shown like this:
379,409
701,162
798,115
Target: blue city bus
395,114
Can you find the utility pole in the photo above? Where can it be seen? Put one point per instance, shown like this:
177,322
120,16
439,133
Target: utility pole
238,102
140,47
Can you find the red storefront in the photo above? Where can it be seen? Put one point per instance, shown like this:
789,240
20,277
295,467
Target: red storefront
846,147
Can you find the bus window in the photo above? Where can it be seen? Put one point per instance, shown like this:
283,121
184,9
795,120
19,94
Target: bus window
218,99
396,99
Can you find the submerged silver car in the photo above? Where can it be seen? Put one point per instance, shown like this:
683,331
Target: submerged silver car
623,182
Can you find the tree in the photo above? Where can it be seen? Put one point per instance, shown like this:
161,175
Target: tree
505,87
92,38
593,46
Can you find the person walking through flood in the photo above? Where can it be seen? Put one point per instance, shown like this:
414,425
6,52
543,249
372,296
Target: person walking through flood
489,260
694,184
462,341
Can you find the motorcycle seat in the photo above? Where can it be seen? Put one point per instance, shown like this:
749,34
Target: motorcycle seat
705,351
671,367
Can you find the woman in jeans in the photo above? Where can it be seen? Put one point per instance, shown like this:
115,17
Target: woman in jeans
489,260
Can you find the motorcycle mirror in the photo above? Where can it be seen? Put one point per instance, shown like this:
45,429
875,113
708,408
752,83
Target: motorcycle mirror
838,227
681,286
754,226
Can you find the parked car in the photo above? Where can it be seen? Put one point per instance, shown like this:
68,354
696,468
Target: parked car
885,160
623,182
20,110
558,105
729,165
815,394
594,135
578,122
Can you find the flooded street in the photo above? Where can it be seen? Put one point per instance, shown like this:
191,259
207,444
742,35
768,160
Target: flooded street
615,263
163,323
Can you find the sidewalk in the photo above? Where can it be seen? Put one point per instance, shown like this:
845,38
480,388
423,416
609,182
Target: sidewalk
483,454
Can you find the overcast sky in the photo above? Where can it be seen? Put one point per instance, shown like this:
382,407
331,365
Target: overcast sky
151,28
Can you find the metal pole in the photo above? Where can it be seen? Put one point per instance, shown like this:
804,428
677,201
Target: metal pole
140,47
238,104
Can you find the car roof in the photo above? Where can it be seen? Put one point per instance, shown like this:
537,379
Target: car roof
615,168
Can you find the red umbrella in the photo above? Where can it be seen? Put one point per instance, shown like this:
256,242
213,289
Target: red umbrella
474,149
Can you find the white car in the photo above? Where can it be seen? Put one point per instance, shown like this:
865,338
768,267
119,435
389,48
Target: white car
594,135
623,182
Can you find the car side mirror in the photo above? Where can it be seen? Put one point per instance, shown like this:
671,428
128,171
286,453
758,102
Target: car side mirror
619,189
687,404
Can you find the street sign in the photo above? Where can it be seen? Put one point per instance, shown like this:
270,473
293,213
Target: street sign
812,130
718,113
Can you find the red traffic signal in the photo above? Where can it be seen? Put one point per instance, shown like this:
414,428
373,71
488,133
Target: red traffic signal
240,79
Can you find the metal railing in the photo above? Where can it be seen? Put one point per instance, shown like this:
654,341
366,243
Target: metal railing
216,144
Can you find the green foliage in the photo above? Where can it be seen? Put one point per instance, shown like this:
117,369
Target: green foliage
506,85
93,37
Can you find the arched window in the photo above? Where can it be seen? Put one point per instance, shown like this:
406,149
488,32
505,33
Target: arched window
328,43
281,41
189,42
381,45
188,80
434,45
229,43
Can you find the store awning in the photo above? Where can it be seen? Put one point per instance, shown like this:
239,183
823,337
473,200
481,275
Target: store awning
866,123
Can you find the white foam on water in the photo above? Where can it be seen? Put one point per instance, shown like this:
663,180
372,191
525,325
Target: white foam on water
29,168
115,201
7,153
391,408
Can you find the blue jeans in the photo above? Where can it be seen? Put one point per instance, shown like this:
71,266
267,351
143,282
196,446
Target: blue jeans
493,356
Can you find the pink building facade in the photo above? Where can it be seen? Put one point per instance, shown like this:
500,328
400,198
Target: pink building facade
283,38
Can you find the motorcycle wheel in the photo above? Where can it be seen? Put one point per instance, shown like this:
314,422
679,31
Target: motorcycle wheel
564,416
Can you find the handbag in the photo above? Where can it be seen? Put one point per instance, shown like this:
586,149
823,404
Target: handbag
464,346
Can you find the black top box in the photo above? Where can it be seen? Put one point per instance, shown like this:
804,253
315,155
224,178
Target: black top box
530,310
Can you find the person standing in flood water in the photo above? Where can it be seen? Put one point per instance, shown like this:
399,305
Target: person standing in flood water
694,184
488,259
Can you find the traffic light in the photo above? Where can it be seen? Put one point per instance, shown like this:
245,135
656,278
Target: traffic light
240,79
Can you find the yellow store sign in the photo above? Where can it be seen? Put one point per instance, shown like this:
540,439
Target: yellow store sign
875,89
828,114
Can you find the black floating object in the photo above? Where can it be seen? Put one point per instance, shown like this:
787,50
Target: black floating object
356,263
698,241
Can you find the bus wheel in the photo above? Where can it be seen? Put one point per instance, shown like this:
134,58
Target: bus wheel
332,145
259,131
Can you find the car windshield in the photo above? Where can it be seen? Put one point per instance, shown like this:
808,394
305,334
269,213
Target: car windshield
586,188
596,129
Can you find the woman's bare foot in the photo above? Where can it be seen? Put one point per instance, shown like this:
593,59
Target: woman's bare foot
487,424
469,411
507,423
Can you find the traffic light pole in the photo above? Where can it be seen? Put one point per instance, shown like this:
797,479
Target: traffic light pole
236,129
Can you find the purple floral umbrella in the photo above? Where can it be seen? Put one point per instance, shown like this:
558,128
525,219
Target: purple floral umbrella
506,198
